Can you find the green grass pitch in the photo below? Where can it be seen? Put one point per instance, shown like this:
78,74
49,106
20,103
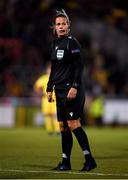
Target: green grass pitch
30,153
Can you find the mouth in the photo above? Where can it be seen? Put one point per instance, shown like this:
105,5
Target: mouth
62,31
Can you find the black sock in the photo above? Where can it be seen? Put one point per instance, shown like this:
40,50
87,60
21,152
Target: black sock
83,142
67,142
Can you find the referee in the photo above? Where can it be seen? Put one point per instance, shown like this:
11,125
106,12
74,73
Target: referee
66,80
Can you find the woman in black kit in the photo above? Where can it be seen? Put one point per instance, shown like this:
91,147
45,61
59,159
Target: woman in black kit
66,80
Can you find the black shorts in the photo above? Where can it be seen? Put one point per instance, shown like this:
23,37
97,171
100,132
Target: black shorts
69,109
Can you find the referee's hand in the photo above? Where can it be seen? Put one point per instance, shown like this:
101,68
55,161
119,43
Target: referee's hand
49,96
72,93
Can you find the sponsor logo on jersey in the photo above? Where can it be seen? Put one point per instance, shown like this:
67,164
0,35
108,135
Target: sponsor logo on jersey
60,54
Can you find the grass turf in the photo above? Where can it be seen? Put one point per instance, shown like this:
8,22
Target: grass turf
31,153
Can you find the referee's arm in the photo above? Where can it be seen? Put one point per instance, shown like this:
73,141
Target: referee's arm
49,88
77,63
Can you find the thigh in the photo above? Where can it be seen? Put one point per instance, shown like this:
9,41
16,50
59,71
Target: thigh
75,107
60,105
63,125
69,109
73,124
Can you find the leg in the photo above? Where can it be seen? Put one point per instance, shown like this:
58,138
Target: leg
81,136
48,123
46,109
66,135
82,139
67,142
55,124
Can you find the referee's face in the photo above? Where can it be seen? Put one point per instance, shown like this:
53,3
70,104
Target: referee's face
61,26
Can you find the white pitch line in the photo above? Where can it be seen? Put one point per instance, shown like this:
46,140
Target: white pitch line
64,172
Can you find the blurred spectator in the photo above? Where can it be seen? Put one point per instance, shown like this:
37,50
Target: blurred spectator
12,85
48,109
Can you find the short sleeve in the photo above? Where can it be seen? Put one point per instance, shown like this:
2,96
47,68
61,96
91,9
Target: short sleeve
74,46
75,50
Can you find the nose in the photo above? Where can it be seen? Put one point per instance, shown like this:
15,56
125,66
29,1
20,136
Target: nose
61,27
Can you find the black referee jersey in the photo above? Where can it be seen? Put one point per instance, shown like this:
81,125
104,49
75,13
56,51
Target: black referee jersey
67,65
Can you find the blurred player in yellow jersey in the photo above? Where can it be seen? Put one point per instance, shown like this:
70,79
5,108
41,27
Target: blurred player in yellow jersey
48,109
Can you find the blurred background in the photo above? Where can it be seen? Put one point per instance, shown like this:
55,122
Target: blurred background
25,38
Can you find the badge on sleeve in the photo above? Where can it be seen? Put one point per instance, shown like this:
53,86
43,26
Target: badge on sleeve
60,54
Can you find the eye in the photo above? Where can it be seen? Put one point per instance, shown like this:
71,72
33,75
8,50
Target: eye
58,24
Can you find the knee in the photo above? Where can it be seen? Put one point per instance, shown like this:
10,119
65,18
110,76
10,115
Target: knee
63,126
73,124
